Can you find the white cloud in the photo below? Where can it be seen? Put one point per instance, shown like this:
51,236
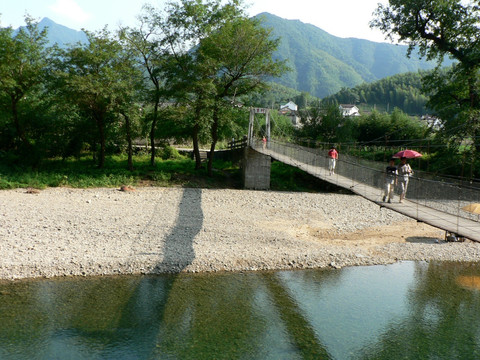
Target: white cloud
70,10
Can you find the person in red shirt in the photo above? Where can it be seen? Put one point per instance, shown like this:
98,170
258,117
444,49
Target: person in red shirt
332,159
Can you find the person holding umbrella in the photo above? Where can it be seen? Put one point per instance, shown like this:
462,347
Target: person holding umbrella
404,170
404,173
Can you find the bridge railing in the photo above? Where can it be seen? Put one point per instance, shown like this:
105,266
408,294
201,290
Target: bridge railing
237,144
368,179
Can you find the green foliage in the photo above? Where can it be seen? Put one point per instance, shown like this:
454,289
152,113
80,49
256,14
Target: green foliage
23,72
281,126
100,79
403,91
383,128
170,153
324,122
439,29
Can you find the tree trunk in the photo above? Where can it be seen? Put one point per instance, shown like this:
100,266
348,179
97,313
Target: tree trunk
128,131
195,132
196,149
101,132
214,133
152,132
18,127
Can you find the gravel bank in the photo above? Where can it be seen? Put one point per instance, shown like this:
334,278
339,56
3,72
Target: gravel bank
59,232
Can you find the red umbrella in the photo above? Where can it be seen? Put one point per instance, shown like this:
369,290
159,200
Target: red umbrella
407,154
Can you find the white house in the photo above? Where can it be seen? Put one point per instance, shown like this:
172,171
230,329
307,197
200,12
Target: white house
349,110
290,109
432,122
290,106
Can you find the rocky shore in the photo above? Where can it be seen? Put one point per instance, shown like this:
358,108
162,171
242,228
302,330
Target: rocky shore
64,232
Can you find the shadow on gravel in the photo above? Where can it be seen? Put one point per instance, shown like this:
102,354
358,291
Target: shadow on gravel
178,250
423,240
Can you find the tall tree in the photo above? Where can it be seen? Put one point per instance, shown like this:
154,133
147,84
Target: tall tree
438,29
99,78
23,66
240,57
147,42
322,121
190,80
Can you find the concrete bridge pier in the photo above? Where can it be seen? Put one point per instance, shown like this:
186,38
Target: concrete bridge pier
256,170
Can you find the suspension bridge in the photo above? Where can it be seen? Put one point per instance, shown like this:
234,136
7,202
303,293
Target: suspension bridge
437,203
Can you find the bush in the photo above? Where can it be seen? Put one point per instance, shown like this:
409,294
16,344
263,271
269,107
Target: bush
170,153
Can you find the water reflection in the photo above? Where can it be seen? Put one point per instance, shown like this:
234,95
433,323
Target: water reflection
442,321
407,310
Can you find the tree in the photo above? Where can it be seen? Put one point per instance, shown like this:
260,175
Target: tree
100,79
404,128
146,42
322,122
438,29
240,57
23,67
190,81
373,127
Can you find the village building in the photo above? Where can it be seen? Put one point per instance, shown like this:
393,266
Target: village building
290,110
349,110
432,122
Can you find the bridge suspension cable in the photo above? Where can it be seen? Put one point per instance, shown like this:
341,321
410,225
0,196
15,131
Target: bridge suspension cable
439,203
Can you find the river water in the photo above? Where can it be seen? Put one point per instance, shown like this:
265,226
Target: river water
409,310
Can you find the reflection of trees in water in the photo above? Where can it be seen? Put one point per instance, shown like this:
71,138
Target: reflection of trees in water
21,321
216,317
35,312
299,329
211,316
443,320
321,277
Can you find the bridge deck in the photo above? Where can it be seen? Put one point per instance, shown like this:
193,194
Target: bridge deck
463,227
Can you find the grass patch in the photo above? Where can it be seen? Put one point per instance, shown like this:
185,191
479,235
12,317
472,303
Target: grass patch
83,173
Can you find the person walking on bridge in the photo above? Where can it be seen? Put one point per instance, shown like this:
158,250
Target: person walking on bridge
404,173
391,173
332,159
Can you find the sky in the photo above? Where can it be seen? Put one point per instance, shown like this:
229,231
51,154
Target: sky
342,18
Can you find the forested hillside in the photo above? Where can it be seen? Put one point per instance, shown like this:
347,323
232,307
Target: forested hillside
61,35
402,91
322,64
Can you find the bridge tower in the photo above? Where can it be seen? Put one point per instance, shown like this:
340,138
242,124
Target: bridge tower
256,165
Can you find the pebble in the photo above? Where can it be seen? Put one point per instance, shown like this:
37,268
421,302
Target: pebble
62,232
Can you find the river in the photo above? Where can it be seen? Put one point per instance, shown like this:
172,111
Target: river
408,310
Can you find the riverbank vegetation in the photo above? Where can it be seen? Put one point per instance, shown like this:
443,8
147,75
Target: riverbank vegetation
177,75
178,170
189,73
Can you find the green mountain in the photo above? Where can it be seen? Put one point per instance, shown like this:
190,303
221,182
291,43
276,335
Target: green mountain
323,64
61,35
402,90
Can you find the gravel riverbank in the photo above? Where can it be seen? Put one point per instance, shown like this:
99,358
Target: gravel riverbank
61,232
